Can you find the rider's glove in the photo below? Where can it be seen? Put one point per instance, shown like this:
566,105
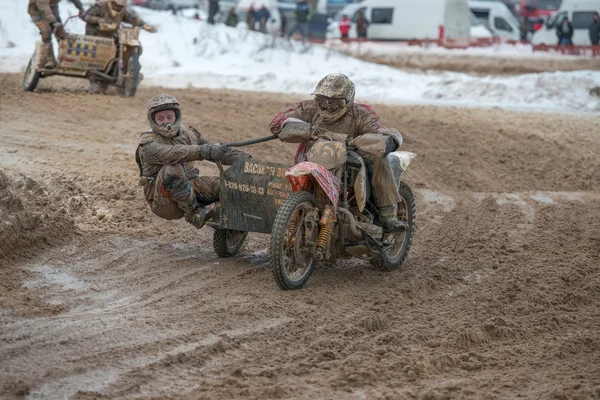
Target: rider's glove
149,28
295,130
373,144
58,30
212,152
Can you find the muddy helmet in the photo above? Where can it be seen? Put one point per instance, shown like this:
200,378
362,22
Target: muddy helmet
116,7
162,102
335,86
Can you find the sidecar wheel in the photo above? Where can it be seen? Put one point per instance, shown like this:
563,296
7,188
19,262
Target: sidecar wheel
227,243
291,261
394,257
133,70
31,77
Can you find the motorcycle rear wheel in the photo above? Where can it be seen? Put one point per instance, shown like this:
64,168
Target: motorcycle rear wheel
291,261
394,257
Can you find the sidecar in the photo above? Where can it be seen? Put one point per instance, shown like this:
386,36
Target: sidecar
251,193
96,58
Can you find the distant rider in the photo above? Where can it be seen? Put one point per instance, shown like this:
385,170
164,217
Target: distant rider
165,155
104,18
333,110
46,17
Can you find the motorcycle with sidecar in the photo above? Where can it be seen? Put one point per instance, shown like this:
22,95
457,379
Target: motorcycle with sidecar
318,210
102,60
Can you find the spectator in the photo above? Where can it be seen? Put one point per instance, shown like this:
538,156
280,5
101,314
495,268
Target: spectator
524,28
564,31
302,14
595,33
213,9
283,23
197,17
262,16
361,25
251,17
345,24
232,18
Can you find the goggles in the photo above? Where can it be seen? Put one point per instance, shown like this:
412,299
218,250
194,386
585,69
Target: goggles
327,102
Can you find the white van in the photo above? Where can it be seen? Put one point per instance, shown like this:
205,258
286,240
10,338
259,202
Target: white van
475,28
580,13
273,24
478,29
496,16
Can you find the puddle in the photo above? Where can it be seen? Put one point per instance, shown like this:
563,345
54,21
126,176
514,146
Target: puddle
446,202
50,276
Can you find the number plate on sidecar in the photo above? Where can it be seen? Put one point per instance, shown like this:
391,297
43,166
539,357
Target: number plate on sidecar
252,193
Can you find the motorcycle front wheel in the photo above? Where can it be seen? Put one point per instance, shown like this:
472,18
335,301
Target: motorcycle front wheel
31,77
133,75
291,261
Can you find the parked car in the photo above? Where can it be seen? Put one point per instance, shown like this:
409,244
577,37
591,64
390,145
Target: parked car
169,4
478,29
496,16
351,10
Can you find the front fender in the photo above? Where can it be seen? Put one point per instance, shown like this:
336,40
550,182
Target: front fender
299,174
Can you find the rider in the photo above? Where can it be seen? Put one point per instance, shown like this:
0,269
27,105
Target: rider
105,17
165,156
46,17
334,110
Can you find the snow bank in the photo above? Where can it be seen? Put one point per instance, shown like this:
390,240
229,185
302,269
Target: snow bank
190,53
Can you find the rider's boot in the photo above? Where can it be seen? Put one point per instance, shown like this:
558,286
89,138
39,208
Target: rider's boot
389,220
199,216
42,57
50,62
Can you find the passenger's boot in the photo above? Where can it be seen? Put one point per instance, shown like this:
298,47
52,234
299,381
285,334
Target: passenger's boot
389,220
50,60
199,216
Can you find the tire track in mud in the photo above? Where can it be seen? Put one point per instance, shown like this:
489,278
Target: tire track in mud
499,296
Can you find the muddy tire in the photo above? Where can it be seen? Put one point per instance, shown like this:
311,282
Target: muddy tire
394,258
133,70
287,247
31,77
227,243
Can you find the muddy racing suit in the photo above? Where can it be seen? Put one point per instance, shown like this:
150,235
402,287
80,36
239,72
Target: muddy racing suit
358,120
45,15
100,12
172,186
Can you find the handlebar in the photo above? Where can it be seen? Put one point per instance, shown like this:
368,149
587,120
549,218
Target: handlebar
249,142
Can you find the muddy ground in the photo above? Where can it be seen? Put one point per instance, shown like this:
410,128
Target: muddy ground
499,297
